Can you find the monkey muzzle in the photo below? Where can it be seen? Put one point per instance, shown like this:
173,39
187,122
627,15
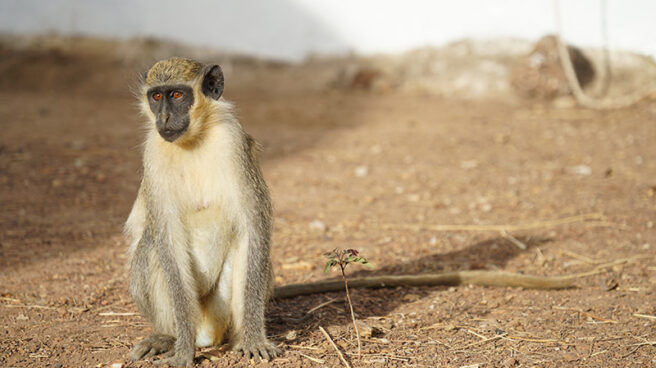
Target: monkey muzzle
171,128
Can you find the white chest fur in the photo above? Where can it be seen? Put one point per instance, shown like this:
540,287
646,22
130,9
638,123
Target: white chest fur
204,183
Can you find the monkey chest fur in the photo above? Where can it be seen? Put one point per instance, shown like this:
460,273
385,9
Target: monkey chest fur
210,211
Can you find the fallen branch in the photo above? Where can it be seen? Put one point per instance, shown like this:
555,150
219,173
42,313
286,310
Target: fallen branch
475,277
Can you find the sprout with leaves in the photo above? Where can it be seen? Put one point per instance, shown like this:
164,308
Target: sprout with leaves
343,258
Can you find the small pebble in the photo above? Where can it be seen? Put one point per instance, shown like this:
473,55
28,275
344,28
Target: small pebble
317,225
469,164
583,170
361,171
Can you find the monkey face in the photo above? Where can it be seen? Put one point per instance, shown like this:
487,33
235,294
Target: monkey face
176,90
170,105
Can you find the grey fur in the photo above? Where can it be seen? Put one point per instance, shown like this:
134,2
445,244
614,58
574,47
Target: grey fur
259,275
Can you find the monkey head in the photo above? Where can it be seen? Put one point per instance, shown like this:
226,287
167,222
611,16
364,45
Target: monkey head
178,95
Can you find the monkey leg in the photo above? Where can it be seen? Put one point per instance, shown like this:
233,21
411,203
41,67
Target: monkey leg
153,301
150,291
250,284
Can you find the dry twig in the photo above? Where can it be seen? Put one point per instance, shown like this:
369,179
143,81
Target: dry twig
577,310
316,360
10,299
485,340
639,345
513,240
28,306
303,347
321,306
653,318
528,339
580,257
123,314
336,348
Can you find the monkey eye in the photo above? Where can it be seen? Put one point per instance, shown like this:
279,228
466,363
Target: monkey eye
177,94
157,96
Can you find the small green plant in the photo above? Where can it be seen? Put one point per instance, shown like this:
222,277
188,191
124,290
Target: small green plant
343,258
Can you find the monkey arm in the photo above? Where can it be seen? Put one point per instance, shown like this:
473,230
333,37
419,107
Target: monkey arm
136,223
476,277
174,261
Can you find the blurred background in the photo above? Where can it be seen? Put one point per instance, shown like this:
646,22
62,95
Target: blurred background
294,29
401,129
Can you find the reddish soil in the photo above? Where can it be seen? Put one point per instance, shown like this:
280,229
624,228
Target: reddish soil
365,166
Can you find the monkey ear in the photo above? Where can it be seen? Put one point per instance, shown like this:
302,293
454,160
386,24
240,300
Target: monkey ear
212,85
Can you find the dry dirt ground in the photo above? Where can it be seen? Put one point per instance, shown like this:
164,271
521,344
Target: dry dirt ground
369,170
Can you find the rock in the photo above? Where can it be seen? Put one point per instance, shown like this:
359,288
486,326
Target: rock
410,297
540,75
364,329
413,197
469,164
291,335
570,357
318,226
583,170
361,171
564,102
364,78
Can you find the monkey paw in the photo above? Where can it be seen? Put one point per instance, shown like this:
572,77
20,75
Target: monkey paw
177,360
261,349
152,345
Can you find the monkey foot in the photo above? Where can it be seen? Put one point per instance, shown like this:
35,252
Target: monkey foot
260,350
176,360
152,345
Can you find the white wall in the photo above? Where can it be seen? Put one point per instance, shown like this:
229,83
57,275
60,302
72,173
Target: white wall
291,29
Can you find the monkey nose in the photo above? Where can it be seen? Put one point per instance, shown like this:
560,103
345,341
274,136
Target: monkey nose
164,117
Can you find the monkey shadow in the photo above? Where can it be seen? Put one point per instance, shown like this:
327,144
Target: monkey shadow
287,315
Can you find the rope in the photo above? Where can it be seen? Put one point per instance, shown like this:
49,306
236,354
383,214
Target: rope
573,83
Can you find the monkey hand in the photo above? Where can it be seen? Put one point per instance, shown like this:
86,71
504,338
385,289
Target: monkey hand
257,348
